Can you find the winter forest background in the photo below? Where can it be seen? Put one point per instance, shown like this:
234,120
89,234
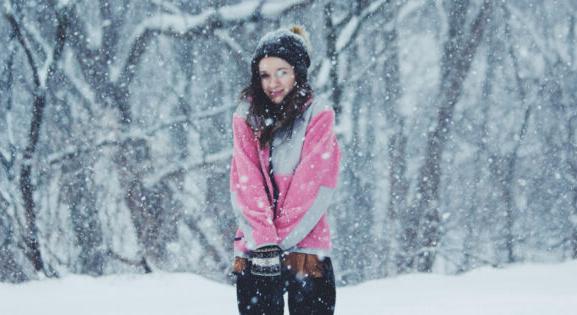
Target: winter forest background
457,120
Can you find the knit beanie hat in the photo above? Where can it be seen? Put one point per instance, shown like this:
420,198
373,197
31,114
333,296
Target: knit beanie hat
291,44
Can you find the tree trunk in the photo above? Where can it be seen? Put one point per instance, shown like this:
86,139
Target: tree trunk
572,167
397,163
332,54
10,269
455,64
31,241
78,192
485,103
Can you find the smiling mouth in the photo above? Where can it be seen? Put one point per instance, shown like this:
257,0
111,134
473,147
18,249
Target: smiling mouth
276,94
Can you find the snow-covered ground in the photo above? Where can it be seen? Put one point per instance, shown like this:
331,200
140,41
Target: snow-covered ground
522,289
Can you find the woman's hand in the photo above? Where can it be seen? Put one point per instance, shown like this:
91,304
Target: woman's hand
265,261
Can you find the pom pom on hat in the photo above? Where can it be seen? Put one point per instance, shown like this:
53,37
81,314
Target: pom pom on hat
302,32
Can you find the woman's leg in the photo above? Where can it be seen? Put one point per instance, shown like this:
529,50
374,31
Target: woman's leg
313,295
259,294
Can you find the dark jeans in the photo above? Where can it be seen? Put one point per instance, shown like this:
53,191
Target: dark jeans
306,295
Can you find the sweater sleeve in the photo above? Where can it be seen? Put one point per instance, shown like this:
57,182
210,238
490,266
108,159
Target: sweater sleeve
314,180
247,186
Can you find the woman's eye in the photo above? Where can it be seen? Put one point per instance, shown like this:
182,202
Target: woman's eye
264,76
280,73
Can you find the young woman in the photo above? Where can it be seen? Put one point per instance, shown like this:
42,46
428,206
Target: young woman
284,171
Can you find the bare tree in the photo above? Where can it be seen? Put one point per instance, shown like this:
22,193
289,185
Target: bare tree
422,229
30,234
397,166
572,163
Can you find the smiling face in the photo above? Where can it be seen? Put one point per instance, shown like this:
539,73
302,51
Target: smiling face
277,78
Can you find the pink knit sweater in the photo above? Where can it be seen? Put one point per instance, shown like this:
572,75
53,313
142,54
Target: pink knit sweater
305,163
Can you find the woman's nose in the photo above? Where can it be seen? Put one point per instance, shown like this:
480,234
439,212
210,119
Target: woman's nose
274,82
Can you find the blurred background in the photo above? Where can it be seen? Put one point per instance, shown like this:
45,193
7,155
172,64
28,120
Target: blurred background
457,120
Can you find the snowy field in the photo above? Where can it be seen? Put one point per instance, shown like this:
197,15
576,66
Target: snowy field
522,289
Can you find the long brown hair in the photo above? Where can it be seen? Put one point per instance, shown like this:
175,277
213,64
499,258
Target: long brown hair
265,117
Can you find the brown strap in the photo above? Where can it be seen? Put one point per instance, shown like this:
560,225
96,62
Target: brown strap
304,265
239,265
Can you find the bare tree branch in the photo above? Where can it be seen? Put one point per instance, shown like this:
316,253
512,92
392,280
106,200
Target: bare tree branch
354,24
30,236
207,22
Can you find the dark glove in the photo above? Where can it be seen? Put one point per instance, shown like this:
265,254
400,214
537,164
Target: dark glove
265,261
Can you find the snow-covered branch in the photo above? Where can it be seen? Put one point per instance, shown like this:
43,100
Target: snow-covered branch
36,36
190,118
179,168
353,25
233,45
204,23
520,21
73,151
81,86
25,46
168,7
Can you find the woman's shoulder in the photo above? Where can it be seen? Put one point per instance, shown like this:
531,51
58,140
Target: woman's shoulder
320,104
242,109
